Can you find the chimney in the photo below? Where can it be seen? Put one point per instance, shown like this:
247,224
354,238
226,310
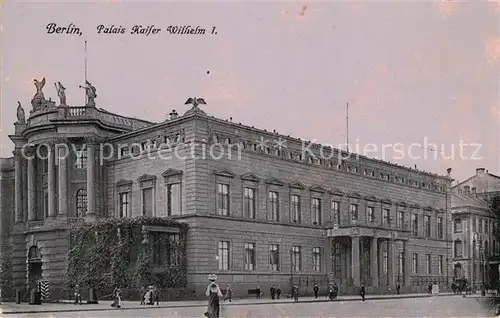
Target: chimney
480,171
173,115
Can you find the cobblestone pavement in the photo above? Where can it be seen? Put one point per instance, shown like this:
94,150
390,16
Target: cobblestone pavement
439,306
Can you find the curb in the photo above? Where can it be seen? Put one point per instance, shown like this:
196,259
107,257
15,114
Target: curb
225,304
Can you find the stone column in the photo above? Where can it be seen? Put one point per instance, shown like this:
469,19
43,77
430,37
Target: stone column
91,172
52,182
374,261
390,262
62,157
407,263
355,260
18,187
30,156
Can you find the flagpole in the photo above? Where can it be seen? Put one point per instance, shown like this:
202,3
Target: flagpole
347,126
85,71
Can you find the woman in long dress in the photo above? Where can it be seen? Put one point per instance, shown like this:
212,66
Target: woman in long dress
214,293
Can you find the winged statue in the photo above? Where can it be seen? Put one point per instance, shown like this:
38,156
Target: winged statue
195,101
39,85
60,92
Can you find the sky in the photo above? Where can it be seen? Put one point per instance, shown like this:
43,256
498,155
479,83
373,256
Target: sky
421,74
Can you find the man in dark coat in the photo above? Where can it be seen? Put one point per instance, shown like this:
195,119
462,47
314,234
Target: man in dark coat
362,292
272,290
316,290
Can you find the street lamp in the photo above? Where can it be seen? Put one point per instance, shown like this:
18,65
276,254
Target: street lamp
291,269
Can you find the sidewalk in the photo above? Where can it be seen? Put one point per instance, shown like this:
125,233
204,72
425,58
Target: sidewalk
24,308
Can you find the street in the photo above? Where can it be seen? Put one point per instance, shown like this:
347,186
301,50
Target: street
441,306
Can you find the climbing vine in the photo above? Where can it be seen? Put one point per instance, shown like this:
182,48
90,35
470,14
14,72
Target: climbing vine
5,276
113,252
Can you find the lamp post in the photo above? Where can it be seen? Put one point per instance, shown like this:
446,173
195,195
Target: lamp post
483,287
291,269
475,246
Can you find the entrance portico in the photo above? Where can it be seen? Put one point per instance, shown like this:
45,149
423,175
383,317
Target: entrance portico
366,255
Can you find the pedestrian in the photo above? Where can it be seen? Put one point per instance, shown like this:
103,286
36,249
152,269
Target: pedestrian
335,290
362,292
316,290
398,288
149,296
272,290
156,294
78,295
330,292
117,303
258,292
143,295
229,293
295,292
278,292
214,293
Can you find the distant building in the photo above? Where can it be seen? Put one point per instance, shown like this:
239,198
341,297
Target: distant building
261,210
476,250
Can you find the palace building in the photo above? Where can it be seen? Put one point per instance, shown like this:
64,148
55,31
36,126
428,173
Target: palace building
261,207
476,250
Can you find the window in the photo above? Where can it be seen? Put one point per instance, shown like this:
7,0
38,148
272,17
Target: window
415,263
317,259
296,258
480,226
147,201
249,203
385,262
316,209
401,258
353,209
250,256
457,225
401,219
427,225
486,227
124,204
386,217
457,247
274,204
473,225
414,224
81,203
428,263
336,211
222,199
440,264
81,158
295,208
274,257
174,199
45,166
164,249
223,255
371,214
440,227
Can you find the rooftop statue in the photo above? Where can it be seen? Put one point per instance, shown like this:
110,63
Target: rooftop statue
60,92
38,100
91,93
195,101
21,118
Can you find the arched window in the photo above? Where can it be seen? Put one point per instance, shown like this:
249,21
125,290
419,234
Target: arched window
457,225
34,253
486,248
81,202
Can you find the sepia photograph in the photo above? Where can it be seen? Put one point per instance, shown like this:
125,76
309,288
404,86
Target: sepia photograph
250,158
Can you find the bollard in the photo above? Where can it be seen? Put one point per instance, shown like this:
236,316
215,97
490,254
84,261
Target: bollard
18,296
92,297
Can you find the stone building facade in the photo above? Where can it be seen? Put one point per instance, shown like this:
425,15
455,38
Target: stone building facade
476,250
262,208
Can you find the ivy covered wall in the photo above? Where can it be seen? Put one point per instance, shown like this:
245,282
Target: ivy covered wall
118,253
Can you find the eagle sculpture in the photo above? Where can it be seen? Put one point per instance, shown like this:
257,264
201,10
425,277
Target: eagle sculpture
39,85
195,101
